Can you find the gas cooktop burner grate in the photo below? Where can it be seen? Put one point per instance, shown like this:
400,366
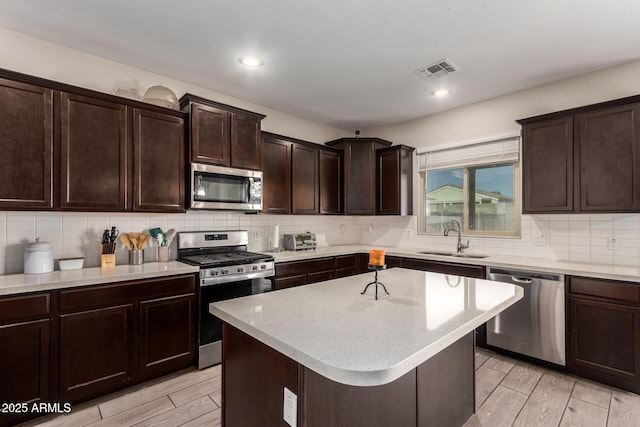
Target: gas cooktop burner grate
223,258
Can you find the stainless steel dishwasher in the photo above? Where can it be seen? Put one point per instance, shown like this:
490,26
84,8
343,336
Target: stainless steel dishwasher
534,326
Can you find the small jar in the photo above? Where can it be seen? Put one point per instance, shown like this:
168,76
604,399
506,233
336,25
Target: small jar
38,257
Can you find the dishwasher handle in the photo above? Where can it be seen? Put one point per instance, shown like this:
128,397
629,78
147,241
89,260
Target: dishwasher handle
523,280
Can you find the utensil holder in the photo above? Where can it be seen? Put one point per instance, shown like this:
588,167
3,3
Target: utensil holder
136,257
163,253
108,261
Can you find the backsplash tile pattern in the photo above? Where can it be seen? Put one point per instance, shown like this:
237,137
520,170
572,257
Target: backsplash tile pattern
580,238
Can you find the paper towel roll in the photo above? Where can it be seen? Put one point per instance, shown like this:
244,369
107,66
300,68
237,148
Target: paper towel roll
276,237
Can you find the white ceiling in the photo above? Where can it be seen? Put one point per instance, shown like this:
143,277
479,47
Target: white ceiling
346,63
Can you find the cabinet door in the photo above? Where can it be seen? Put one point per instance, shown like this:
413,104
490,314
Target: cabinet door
360,188
24,352
276,176
97,351
26,119
246,142
330,182
547,166
158,170
388,182
210,135
93,154
610,160
395,181
304,179
167,334
604,342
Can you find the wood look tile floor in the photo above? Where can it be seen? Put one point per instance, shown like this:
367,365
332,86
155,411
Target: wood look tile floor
509,392
187,398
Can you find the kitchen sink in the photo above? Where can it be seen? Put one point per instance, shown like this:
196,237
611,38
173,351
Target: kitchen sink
436,253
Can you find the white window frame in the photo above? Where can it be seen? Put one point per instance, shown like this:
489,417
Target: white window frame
460,163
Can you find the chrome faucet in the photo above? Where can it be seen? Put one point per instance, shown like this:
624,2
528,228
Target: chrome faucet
453,225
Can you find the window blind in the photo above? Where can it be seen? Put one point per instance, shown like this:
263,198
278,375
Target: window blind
503,150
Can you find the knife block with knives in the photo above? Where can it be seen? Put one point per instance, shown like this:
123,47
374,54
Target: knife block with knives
108,248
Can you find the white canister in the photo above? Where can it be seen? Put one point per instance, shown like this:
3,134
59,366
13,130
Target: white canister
38,258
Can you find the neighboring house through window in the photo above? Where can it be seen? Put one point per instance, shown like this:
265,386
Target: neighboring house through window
476,184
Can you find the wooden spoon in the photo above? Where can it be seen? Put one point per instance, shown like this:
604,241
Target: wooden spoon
124,238
171,233
133,236
142,240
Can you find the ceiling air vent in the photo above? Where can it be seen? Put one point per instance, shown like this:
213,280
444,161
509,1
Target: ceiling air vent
438,69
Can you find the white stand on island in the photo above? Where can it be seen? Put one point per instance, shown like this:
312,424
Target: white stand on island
406,359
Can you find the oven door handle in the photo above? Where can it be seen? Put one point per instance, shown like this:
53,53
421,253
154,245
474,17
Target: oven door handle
220,280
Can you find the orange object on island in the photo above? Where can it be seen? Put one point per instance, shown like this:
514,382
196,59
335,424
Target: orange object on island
376,257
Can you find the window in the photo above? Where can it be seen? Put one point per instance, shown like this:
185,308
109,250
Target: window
479,189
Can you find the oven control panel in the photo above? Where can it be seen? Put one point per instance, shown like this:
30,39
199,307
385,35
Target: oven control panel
214,275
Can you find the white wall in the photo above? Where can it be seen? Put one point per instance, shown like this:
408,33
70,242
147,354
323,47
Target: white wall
498,116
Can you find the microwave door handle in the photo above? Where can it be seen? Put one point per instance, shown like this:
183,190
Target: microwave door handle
249,188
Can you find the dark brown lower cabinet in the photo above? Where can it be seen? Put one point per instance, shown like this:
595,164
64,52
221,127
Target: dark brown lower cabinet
167,333
296,273
439,392
96,351
25,350
346,265
76,344
604,332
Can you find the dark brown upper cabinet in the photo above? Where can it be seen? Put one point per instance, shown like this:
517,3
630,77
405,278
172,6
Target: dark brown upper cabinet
583,160
330,170
223,135
610,159
276,174
74,149
304,179
395,180
94,151
359,173
159,176
547,166
300,177
26,119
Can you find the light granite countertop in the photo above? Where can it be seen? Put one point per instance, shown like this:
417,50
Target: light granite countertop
626,273
22,283
353,339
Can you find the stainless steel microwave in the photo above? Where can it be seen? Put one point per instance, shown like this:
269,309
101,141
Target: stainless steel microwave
217,187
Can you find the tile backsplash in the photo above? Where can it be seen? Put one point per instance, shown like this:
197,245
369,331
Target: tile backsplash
582,238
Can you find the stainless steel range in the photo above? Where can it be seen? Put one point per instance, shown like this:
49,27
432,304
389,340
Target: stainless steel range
227,270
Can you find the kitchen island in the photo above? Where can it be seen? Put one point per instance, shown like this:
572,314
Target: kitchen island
405,359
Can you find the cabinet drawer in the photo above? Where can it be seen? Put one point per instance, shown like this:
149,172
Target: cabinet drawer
101,296
16,309
619,291
345,272
290,281
345,261
319,276
301,267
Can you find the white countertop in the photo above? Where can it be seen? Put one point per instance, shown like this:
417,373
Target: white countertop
350,338
626,273
22,283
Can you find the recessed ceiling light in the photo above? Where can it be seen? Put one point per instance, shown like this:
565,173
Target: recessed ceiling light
251,61
441,92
